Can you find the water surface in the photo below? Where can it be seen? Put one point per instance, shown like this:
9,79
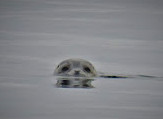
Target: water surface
117,36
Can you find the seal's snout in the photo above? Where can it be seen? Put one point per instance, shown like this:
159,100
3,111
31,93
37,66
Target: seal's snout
76,72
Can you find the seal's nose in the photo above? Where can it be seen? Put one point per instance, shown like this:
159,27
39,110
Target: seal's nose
77,72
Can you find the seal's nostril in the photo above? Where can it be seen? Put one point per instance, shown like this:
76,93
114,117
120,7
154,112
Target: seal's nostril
77,72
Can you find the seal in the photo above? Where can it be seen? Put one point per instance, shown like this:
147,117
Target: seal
75,67
75,73
79,73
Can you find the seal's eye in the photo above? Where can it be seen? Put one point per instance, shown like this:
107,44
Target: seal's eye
87,69
65,68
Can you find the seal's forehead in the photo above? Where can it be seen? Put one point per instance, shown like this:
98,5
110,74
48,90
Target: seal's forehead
64,62
76,63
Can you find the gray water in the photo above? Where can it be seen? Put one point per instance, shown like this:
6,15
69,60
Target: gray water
117,36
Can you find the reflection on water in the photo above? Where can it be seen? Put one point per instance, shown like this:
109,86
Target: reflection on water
74,82
83,82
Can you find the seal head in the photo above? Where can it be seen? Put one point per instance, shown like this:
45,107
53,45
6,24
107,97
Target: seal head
75,68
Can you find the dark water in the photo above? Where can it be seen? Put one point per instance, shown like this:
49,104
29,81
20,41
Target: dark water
121,37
